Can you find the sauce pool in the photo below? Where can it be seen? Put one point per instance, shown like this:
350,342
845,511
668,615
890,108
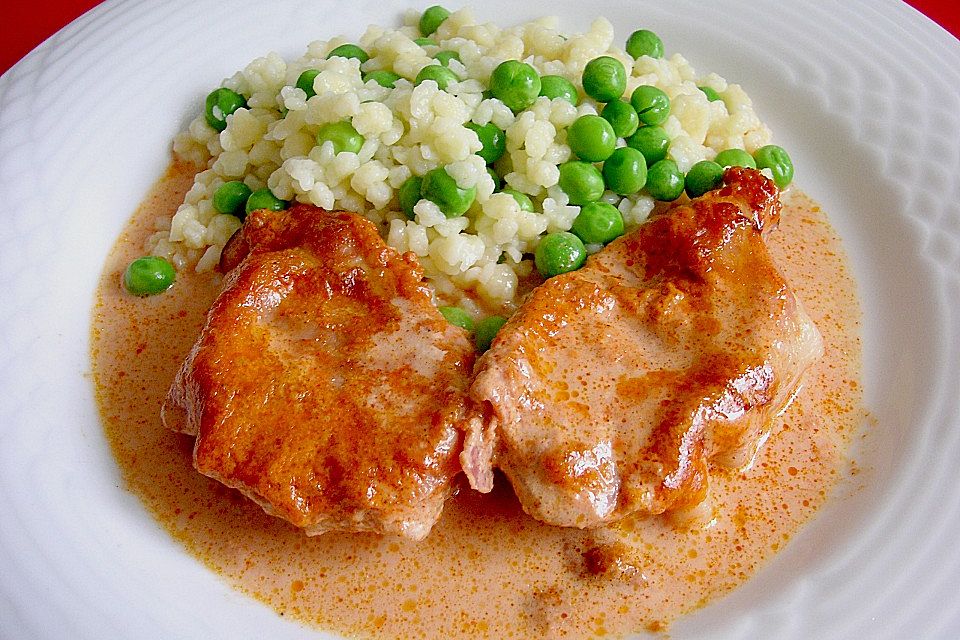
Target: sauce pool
486,570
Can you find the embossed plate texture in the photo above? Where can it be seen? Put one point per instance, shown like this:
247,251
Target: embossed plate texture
866,95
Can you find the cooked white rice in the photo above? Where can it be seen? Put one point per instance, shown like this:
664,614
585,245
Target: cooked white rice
478,260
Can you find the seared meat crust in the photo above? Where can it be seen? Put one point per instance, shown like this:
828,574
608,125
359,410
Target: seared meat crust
325,384
613,387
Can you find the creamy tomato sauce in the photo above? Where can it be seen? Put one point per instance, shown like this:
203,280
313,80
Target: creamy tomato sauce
487,569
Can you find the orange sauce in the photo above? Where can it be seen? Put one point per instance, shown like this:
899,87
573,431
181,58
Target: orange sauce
487,570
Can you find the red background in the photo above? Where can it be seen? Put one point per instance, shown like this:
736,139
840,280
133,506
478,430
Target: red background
27,24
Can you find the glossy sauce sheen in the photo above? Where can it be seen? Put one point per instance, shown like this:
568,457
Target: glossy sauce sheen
486,569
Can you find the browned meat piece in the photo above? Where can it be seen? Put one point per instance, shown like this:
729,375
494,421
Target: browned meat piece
612,560
325,384
613,386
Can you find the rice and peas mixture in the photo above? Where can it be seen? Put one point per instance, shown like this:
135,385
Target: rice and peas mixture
349,129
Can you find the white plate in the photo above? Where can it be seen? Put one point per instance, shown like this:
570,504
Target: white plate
864,95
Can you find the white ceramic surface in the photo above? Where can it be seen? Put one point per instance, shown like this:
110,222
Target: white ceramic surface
865,95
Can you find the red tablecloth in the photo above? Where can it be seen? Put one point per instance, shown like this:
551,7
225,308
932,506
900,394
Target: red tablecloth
27,24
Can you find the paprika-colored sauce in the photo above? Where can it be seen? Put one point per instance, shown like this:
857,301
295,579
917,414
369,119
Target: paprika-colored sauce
486,570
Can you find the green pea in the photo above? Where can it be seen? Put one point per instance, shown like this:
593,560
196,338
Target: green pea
559,87
704,176
425,42
230,197
486,330
493,139
598,223
581,181
591,138
625,171
409,195
431,18
652,104
264,199
559,253
516,84
444,57
622,117
343,136
457,316
652,142
219,104
604,79
497,180
439,74
526,204
148,276
644,43
305,81
349,51
664,181
441,189
383,78
711,93
735,158
778,161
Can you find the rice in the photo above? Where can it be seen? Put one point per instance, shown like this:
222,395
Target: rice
482,260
